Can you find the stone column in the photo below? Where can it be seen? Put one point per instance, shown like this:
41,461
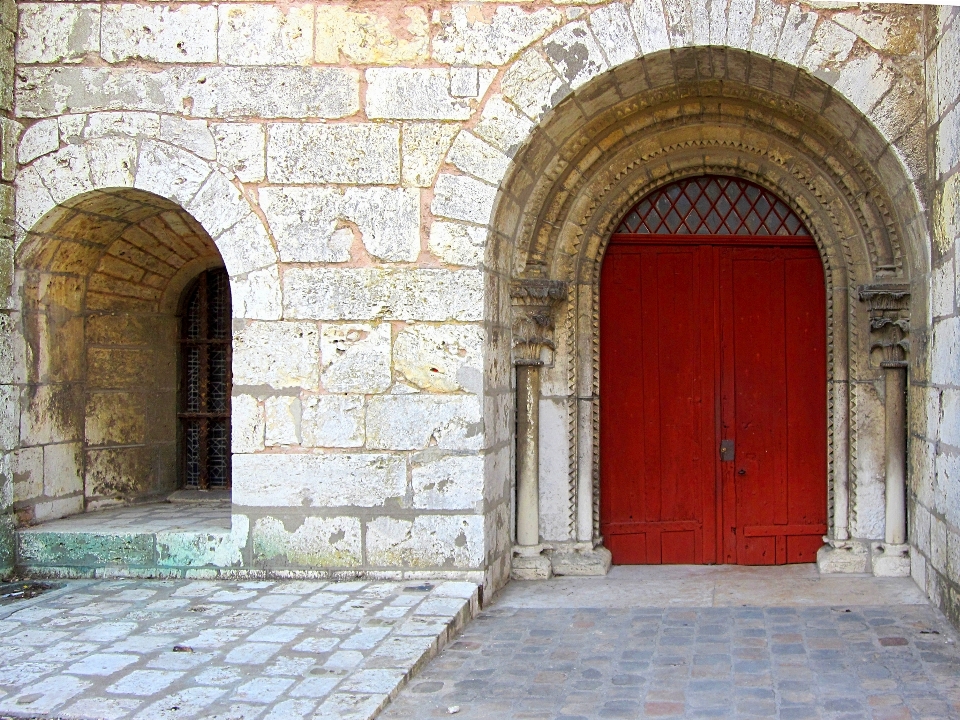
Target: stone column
889,342
534,302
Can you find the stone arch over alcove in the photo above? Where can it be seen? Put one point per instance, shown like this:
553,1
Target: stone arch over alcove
100,280
110,234
686,112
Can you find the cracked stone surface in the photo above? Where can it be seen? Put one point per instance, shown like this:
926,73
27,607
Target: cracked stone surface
180,649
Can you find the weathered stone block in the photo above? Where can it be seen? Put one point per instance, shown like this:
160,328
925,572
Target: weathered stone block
256,295
423,147
417,94
119,367
265,34
85,549
366,38
317,542
502,125
444,358
414,422
50,413
241,149
133,124
575,54
451,541
457,244
120,472
62,469
301,480
448,483
463,198
57,32
277,354
39,139
309,223
533,85
168,172
612,29
332,421
355,358
247,424
314,153
162,33
192,135
197,549
369,293
468,40
218,92
282,420
246,247
477,158
218,205
115,418
26,467
650,25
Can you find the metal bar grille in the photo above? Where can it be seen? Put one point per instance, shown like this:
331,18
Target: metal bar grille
205,382
712,205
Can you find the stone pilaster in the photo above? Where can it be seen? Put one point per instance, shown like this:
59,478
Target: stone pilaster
533,323
889,307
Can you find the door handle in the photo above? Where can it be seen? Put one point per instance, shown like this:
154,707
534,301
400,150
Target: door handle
741,471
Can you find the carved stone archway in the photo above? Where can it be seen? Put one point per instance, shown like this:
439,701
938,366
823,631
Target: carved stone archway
719,111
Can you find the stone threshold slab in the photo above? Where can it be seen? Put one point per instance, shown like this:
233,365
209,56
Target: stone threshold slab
137,649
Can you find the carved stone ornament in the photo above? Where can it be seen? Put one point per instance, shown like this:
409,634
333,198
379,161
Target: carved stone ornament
889,307
534,303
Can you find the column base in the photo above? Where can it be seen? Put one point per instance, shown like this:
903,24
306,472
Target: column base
580,559
843,556
890,560
529,563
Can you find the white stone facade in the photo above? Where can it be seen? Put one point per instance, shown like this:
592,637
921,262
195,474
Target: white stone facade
374,177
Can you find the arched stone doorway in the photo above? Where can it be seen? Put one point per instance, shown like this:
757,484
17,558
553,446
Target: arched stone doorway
712,380
103,280
677,114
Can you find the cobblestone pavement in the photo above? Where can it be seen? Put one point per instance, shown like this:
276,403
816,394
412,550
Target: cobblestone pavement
525,657
166,650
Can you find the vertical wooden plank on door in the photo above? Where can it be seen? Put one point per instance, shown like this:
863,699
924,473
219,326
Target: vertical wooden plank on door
728,430
680,412
806,451
621,413
650,482
759,401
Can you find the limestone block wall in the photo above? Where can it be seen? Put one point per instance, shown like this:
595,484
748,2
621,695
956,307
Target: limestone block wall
9,402
935,450
346,161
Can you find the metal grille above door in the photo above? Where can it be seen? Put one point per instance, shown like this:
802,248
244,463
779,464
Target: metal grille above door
205,382
712,205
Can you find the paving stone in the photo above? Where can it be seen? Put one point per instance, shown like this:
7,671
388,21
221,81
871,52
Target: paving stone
219,650
567,662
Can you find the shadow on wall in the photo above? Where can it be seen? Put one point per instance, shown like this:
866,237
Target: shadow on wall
103,279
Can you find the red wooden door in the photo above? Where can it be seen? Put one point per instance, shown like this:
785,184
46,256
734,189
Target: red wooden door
710,338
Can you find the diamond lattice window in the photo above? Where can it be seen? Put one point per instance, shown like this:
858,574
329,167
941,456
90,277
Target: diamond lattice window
712,205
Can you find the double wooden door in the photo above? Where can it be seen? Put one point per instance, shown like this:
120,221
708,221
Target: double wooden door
713,400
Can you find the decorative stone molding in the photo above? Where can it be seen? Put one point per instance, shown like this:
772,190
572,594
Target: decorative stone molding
889,307
534,304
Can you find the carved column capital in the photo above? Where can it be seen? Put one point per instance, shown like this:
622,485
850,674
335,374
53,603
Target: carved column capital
534,304
889,307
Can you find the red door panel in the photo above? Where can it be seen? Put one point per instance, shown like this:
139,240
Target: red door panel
702,343
653,424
